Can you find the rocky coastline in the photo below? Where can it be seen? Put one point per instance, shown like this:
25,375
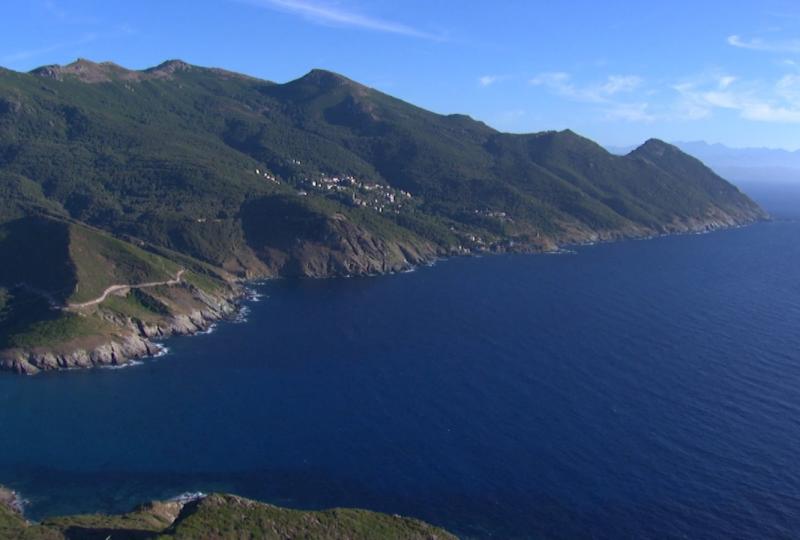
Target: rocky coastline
137,340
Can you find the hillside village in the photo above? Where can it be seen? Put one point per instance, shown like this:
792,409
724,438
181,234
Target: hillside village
349,190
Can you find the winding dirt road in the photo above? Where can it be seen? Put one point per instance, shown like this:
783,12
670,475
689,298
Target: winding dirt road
116,288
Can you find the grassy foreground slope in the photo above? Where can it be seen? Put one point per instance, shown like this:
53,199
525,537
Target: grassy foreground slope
218,517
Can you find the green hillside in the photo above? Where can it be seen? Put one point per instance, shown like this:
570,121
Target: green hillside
170,155
110,176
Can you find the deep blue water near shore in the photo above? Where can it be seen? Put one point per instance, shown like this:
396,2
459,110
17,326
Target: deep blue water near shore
637,389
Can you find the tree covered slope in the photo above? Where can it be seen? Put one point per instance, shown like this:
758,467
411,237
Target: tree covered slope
170,154
109,174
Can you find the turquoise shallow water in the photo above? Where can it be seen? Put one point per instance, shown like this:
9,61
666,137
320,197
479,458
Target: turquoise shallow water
637,389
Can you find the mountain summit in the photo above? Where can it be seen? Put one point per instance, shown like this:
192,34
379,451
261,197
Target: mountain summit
93,72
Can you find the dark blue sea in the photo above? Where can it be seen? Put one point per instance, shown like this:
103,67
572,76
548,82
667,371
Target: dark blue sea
641,389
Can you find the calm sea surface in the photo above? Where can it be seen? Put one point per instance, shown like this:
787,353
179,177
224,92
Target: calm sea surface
643,389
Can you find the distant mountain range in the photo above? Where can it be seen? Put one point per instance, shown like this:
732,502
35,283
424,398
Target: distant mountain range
741,165
114,179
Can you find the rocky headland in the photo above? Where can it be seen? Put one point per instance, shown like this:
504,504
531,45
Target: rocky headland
130,339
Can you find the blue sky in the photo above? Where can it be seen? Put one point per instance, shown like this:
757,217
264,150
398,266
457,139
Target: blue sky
618,72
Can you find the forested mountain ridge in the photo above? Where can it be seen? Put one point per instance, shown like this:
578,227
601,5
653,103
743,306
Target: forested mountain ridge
231,176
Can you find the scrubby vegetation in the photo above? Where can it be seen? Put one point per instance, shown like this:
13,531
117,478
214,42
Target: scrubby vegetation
220,517
48,332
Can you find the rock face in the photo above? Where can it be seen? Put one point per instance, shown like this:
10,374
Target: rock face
10,500
114,353
294,243
103,72
341,249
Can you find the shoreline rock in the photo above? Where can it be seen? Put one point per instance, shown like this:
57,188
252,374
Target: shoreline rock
12,500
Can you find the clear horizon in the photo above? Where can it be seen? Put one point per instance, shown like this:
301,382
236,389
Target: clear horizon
680,72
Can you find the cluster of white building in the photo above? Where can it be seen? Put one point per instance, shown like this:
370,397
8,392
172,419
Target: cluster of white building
378,197
268,175
502,216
